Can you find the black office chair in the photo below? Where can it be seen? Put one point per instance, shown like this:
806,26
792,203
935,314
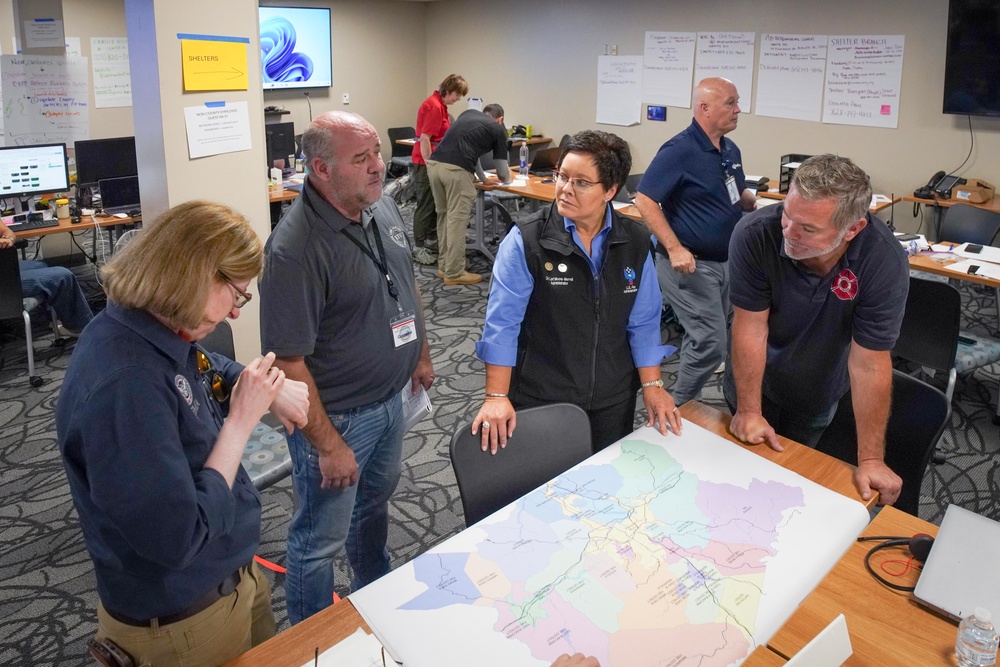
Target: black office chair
917,419
565,140
548,440
626,194
402,155
13,304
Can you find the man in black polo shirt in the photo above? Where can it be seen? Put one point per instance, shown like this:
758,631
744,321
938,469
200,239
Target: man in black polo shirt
818,289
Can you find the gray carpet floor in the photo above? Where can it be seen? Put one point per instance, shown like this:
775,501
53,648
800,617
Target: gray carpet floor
48,595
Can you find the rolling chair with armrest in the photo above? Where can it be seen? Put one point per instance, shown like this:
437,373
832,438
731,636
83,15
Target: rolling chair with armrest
13,304
918,416
626,195
549,440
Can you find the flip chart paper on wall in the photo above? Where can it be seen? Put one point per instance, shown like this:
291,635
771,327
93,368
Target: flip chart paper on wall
213,62
667,68
619,89
790,76
728,55
217,127
112,77
45,99
863,74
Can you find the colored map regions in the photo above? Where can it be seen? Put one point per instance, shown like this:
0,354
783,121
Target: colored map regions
637,562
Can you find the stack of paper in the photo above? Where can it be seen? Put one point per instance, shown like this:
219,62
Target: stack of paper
358,650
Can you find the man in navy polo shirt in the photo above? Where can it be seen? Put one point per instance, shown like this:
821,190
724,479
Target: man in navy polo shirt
819,287
691,198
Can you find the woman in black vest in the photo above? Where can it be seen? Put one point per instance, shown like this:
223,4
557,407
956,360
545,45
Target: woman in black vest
574,308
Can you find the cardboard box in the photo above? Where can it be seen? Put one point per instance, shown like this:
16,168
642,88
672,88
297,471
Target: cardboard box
974,192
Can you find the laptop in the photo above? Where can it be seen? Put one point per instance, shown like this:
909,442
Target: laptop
119,195
545,161
960,572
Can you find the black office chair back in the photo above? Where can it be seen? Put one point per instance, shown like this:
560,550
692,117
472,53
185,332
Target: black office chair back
548,440
565,140
627,193
967,224
11,302
918,417
220,340
931,325
400,150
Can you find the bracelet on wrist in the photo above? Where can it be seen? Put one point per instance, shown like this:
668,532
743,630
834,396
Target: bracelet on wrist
652,383
491,395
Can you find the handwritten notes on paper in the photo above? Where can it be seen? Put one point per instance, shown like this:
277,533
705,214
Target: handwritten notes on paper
790,76
729,55
45,99
862,80
112,77
667,68
213,62
619,89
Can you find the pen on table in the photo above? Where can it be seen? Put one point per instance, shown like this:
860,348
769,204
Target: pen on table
316,661
951,247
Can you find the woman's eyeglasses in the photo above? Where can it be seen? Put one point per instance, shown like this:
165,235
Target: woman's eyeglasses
220,388
577,183
242,298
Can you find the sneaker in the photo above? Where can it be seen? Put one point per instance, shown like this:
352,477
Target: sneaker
66,333
721,368
465,279
440,274
424,256
431,243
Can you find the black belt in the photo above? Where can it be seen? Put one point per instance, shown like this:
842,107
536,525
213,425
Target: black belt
227,586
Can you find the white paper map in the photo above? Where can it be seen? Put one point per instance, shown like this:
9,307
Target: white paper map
656,551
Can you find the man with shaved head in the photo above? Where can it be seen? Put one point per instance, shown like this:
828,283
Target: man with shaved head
341,310
691,197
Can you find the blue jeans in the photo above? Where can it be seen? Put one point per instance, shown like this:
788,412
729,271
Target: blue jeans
793,424
357,517
57,287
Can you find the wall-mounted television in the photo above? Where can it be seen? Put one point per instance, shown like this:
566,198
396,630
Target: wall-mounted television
972,60
295,47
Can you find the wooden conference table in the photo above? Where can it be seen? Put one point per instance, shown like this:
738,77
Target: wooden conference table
66,225
296,646
931,262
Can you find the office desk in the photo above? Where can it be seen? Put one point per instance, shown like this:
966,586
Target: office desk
931,262
772,193
887,627
296,646
88,222
276,196
940,204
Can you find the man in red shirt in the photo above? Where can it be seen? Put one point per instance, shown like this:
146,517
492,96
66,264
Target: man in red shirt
432,123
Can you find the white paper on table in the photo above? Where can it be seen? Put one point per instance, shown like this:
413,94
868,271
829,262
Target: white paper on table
415,406
766,201
985,268
987,254
921,241
359,650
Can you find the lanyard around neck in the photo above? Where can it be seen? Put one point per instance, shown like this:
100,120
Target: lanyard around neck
380,262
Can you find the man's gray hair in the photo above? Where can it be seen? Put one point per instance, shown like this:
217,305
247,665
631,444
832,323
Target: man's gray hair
830,176
318,139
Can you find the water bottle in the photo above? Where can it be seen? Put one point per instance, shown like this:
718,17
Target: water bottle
976,645
524,159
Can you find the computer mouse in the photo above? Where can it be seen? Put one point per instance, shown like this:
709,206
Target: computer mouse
135,213
75,219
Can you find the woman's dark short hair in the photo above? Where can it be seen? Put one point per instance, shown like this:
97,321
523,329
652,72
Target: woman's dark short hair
609,152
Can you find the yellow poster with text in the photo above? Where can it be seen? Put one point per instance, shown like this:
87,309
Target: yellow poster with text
214,65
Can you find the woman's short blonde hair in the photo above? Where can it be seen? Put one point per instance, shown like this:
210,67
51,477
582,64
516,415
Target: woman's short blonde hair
168,269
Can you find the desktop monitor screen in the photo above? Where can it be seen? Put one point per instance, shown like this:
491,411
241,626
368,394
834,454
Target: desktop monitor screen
104,158
295,47
280,140
29,170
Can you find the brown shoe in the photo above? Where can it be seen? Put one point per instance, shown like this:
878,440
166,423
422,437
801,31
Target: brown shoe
465,279
440,274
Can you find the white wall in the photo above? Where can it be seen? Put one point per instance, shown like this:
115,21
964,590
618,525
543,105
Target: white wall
539,60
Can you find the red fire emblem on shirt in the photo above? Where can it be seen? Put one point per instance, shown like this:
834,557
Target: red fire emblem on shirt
845,286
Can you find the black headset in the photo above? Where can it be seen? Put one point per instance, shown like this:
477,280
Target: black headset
919,547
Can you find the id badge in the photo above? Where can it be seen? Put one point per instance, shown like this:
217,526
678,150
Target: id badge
404,329
734,196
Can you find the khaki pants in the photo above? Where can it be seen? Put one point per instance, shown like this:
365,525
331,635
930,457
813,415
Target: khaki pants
454,195
213,636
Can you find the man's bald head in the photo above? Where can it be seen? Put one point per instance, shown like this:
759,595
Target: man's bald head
716,107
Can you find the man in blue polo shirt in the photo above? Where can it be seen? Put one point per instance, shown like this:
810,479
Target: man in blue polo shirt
819,287
691,198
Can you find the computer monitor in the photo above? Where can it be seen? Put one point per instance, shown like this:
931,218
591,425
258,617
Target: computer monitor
280,139
104,158
30,170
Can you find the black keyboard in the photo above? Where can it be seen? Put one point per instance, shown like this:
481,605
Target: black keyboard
34,224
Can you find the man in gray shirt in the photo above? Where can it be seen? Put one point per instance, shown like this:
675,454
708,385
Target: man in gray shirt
341,310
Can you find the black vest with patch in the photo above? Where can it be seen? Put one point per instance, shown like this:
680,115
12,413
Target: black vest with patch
573,345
